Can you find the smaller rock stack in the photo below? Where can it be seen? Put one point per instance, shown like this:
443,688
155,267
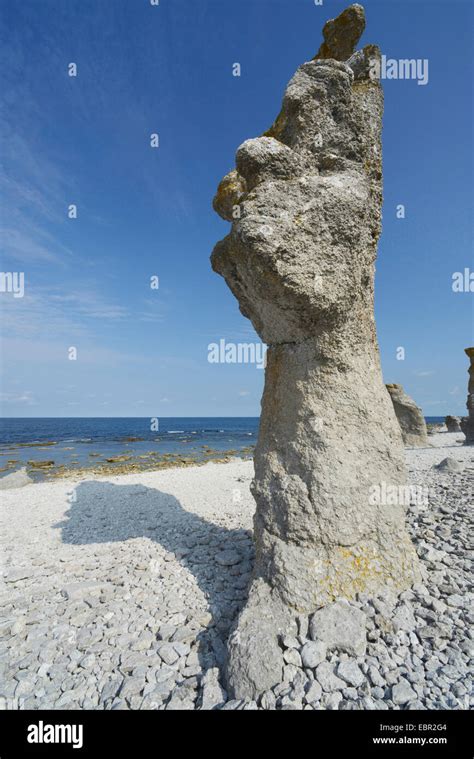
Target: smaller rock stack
467,423
410,417
453,423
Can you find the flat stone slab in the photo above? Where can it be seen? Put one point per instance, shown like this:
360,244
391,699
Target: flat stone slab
340,626
77,590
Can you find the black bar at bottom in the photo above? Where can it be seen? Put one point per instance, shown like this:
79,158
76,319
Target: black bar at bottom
94,733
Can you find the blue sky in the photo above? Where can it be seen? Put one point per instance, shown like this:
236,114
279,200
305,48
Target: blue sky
85,140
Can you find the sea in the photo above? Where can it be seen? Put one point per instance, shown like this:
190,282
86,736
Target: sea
78,439
83,442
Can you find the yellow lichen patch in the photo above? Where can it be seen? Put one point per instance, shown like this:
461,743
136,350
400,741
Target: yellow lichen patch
349,571
277,128
364,85
231,192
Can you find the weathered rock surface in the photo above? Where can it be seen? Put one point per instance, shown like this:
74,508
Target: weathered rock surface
453,423
16,479
305,200
449,465
467,423
341,626
261,622
342,34
213,695
313,653
410,417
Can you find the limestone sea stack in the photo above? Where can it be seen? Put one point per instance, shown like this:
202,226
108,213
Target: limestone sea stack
410,417
305,201
467,423
453,423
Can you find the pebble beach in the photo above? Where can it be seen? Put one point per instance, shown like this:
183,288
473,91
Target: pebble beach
119,592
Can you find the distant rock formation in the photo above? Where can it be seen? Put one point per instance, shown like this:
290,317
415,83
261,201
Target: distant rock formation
467,423
449,465
305,201
435,429
453,423
410,417
17,479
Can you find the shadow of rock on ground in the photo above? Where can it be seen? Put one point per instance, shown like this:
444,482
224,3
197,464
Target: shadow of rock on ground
219,558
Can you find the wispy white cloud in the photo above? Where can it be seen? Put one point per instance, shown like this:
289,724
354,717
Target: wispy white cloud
24,246
46,312
50,354
34,193
90,304
152,311
31,182
25,397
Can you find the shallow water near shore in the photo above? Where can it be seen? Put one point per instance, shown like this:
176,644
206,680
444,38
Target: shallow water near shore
120,445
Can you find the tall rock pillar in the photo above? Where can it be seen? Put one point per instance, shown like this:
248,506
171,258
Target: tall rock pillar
305,200
467,423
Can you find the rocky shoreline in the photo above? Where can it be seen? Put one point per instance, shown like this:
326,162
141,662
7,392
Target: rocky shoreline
125,463
120,594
